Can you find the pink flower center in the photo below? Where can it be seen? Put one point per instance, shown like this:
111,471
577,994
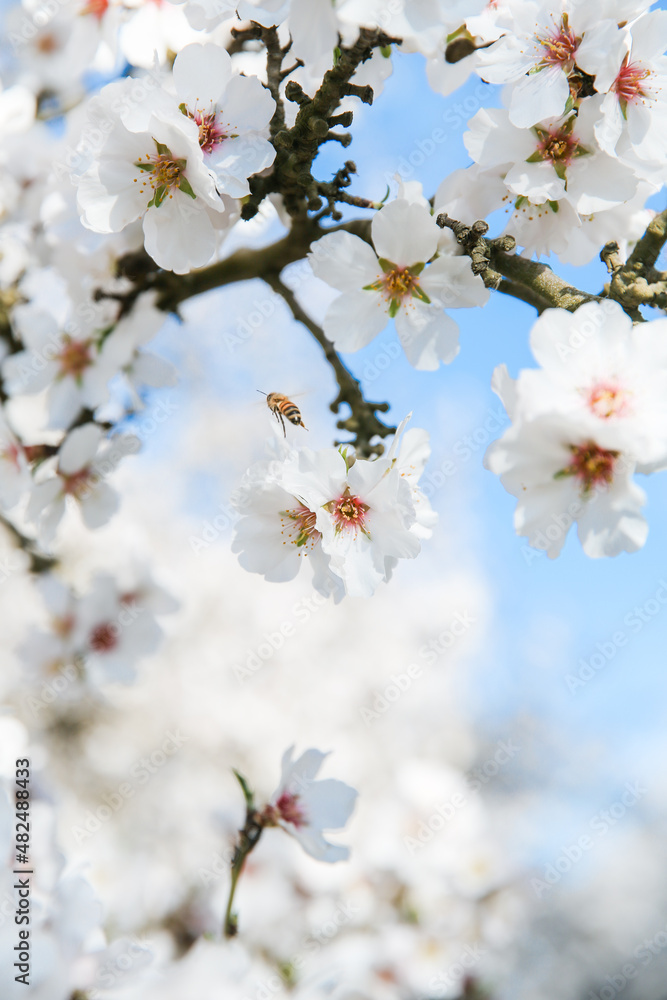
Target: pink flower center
348,513
78,483
628,83
591,465
559,46
103,638
607,399
74,357
211,133
298,525
11,454
559,146
289,810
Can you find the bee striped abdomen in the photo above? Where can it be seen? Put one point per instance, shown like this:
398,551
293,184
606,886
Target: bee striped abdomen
284,409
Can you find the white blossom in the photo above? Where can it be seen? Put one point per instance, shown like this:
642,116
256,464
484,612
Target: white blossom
306,807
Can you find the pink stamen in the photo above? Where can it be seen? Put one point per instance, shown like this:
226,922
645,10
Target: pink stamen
559,46
211,133
348,513
289,810
607,399
628,83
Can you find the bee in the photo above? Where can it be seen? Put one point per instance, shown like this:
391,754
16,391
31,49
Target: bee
282,407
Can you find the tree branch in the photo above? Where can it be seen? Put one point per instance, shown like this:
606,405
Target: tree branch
243,265
537,278
362,422
636,282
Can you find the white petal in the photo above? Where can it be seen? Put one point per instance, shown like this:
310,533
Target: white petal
79,448
404,233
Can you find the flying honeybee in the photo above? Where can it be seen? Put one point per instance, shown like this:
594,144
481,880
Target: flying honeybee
283,408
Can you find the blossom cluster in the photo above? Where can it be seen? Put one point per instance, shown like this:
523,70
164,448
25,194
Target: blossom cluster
579,145
591,416
353,519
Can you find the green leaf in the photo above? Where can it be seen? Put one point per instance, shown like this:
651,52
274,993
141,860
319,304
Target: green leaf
248,795
162,149
145,166
336,55
377,286
416,269
569,104
186,188
581,151
624,108
559,167
563,473
553,205
520,201
158,197
387,265
385,50
183,109
394,306
535,157
419,293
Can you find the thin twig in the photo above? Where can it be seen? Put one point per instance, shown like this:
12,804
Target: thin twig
362,422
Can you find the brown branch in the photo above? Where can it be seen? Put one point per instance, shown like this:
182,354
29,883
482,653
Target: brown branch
530,274
362,422
243,265
636,282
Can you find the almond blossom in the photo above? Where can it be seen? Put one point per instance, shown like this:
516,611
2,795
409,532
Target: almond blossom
562,472
553,160
605,373
230,115
352,518
634,107
401,279
84,461
305,806
542,51
75,367
159,176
